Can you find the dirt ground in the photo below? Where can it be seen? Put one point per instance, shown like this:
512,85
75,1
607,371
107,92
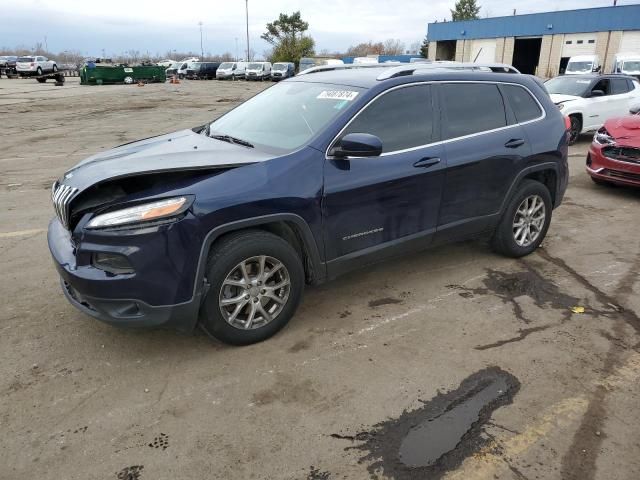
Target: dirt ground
366,359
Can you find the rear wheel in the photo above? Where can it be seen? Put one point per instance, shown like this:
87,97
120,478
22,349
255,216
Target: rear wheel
576,128
256,281
41,80
55,68
525,221
39,71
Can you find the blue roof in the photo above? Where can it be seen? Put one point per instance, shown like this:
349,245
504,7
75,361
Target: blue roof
623,17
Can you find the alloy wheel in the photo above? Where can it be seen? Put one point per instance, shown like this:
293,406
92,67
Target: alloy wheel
254,292
528,221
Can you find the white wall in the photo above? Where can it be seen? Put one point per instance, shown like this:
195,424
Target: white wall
486,50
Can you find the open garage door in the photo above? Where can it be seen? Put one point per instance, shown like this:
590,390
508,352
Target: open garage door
526,53
630,42
579,44
483,51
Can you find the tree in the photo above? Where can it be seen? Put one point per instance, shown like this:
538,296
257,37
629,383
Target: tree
465,10
366,48
424,48
393,47
289,41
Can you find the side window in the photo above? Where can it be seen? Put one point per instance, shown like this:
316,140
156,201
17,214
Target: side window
522,103
602,85
618,86
471,108
402,118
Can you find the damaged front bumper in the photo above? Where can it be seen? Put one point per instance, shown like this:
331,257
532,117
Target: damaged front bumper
144,298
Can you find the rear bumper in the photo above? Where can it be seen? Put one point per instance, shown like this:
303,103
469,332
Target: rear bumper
610,170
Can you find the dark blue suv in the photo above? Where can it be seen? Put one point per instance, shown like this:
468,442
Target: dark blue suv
222,226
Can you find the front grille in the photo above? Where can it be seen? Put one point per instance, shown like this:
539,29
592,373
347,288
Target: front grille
623,154
62,196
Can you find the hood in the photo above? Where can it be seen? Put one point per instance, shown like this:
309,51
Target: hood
182,150
559,98
626,130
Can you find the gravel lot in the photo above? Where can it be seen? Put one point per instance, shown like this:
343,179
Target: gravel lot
366,357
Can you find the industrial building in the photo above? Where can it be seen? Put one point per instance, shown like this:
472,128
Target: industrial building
540,43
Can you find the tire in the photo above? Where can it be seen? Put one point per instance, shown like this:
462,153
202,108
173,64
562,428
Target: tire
39,71
41,80
229,323
128,80
576,128
504,239
55,68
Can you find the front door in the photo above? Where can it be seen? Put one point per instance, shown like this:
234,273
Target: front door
377,202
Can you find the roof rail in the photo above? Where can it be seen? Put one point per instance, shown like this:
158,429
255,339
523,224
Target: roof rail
350,66
413,68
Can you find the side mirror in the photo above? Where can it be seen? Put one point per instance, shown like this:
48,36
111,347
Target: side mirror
635,109
358,145
597,93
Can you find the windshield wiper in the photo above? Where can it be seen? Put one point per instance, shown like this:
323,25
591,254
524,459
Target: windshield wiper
230,139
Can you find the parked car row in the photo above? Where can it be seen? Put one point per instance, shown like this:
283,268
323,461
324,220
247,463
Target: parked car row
196,70
625,63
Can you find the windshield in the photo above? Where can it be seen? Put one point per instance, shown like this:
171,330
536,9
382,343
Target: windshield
254,66
226,66
631,66
306,63
568,86
303,110
25,59
579,66
279,66
195,66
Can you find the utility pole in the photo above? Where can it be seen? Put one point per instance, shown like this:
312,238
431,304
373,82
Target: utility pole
248,48
237,59
201,49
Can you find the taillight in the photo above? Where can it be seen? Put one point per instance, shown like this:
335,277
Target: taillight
33,64
567,123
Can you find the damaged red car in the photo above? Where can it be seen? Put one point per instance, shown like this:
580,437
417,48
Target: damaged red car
614,156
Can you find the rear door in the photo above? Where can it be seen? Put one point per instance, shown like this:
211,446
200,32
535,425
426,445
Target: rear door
370,203
485,146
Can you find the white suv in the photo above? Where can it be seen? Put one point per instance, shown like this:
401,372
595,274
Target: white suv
35,65
592,99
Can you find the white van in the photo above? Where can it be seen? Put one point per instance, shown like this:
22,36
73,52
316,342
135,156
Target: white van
627,63
581,64
258,71
231,70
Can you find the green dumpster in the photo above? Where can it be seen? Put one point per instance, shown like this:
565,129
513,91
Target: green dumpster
106,74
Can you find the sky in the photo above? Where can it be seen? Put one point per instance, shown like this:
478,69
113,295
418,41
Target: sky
161,26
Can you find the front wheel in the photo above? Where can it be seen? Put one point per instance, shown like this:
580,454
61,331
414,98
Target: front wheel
256,282
525,221
576,128
55,68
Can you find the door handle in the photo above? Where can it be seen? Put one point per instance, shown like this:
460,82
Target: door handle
514,143
426,162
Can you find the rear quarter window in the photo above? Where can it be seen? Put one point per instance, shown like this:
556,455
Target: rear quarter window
619,85
524,106
471,108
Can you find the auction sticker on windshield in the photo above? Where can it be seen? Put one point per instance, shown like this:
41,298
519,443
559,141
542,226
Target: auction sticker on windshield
347,95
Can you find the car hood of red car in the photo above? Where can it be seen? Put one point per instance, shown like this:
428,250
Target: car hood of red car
626,130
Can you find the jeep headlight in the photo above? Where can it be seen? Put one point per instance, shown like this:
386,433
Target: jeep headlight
560,106
141,213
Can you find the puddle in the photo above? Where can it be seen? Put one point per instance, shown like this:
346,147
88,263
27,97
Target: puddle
509,286
437,437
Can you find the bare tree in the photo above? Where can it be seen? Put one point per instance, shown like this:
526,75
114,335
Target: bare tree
393,47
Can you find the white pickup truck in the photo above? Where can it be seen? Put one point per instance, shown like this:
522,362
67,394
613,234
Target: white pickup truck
35,65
